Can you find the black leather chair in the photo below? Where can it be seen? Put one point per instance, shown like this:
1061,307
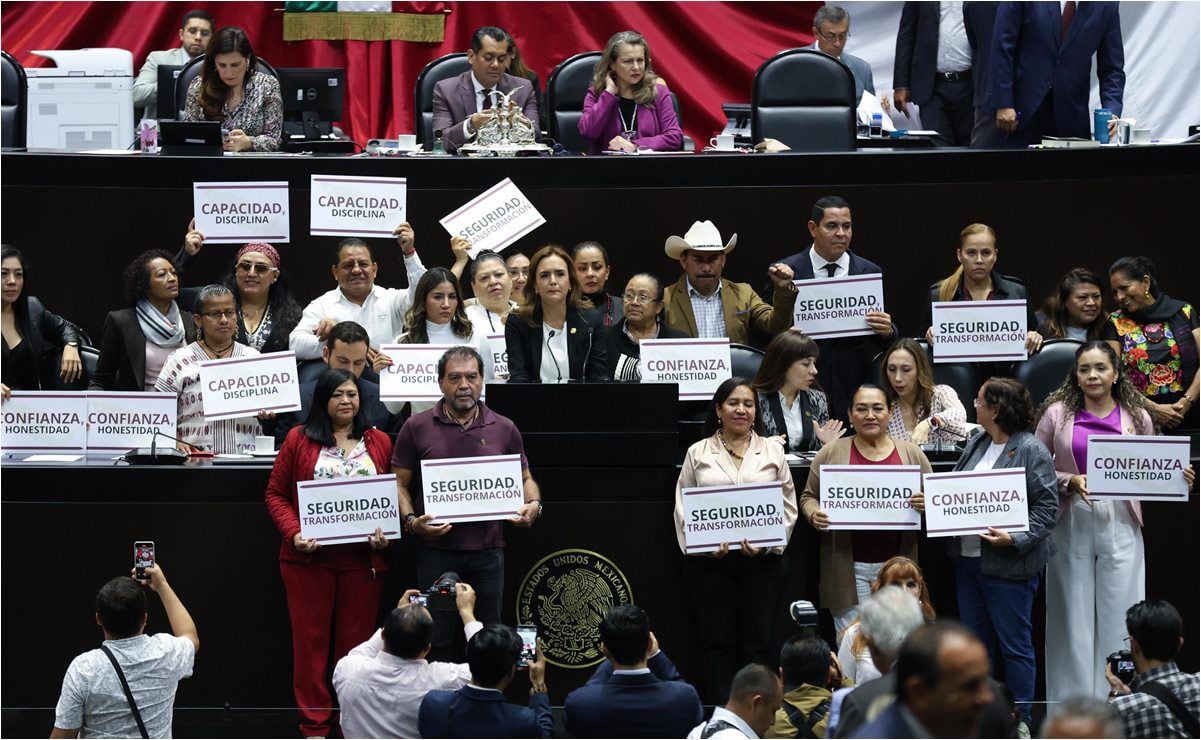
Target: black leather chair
53,363
806,100
959,375
745,361
1045,370
565,90
440,69
192,70
13,105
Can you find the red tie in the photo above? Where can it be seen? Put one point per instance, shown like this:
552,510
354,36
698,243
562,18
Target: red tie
1069,12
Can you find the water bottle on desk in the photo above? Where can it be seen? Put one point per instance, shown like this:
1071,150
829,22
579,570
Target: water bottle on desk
877,127
148,136
438,148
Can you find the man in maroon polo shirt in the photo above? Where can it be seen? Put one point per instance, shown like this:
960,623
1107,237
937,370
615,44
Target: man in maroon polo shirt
460,426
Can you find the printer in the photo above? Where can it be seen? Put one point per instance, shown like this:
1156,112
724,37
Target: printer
85,102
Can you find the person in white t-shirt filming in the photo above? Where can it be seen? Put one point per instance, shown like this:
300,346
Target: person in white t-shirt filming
126,688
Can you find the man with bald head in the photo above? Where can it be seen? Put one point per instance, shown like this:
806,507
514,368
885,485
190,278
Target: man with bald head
942,686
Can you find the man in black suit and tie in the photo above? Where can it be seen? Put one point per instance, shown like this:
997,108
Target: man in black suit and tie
933,68
462,104
637,691
844,363
479,709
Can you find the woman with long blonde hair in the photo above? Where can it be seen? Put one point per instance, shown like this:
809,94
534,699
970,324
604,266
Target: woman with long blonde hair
628,107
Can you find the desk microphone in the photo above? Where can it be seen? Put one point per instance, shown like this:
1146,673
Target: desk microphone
153,456
558,369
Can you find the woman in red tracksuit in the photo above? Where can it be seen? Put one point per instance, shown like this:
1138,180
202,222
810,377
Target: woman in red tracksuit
333,590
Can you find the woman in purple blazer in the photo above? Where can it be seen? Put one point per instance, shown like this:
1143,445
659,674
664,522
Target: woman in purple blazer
628,107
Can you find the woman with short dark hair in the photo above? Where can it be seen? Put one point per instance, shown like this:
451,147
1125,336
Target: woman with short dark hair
231,89
736,593
642,318
794,412
333,591
31,332
136,341
590,260
997,573
1074,310
1157,338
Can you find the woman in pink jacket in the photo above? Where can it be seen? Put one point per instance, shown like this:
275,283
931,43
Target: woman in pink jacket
1098,571
628,106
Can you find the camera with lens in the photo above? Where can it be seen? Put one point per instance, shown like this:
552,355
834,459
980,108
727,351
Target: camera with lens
1121,664
804,613
441,595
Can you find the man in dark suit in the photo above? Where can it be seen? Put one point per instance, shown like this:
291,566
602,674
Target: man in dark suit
462,104
1041,61
979,17
845,362
933,68
636,692
942,686
345,349
479,708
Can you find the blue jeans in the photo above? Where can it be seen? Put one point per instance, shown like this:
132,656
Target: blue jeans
998,611
483,570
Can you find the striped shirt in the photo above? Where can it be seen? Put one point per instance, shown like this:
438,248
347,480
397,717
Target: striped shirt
710,316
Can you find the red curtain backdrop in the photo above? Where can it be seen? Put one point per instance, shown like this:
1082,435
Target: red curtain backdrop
708,52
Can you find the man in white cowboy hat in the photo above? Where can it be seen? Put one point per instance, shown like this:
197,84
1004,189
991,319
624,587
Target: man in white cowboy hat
703,304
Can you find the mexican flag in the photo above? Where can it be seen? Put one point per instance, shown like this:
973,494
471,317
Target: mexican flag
364,20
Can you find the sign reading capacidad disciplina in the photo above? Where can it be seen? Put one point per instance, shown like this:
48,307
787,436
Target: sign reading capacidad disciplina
472,489
44,421
242,386
698,366
339,510
413,374
498,217
870,496
342,205
240,212
971,501
1137,467
978,331
837,307
753,512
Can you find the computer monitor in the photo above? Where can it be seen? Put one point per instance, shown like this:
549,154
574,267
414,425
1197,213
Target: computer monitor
312,99
167,75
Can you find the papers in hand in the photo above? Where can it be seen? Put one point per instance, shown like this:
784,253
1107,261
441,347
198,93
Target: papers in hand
870,104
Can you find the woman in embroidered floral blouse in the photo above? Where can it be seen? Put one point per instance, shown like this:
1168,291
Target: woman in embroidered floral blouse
333,590
232,90
1157,338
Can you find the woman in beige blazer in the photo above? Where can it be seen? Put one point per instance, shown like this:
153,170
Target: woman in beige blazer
851,560
737,593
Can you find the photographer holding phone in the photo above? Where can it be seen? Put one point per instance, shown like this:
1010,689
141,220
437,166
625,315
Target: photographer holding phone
479,709
93,702
381,683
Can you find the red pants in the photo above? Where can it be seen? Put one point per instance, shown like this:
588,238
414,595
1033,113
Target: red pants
333,598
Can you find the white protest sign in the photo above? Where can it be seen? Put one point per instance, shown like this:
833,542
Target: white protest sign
121,421
240,212
500,357
472,489
495,219
339,510
341,205
971,501
413,374
837,307
242,386
978,331
44,421
697,365
870,496
752,511
1137,467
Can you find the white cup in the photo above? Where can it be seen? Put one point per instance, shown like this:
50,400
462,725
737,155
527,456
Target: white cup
264,445
406,141
722,142
1140,136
